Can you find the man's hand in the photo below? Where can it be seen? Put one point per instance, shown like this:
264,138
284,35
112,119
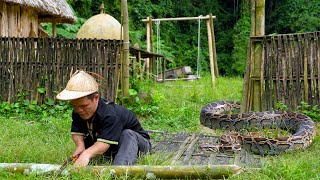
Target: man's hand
82,161
96,149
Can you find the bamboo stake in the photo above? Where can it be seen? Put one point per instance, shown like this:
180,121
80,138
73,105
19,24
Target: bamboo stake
216,70
142,171
125,62
210,52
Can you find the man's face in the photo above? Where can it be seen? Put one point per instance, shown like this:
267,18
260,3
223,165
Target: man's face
85,107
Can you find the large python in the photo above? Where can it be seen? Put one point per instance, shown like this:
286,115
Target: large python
302,128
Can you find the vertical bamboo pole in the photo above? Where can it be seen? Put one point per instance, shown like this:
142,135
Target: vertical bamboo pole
54,29
210,51
216,70
305,69
148,45
140,65
246,91
258,53
125,62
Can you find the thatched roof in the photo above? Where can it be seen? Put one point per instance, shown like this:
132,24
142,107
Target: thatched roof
49,10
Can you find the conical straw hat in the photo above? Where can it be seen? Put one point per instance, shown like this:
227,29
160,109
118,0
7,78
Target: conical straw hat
80,84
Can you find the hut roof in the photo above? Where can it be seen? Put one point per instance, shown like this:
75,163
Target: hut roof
49,10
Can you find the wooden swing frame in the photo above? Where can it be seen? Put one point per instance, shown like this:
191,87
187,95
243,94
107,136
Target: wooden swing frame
211,40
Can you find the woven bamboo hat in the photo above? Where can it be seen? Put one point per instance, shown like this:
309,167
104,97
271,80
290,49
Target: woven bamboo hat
80,84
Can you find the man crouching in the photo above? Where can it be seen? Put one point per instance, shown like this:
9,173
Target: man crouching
100,126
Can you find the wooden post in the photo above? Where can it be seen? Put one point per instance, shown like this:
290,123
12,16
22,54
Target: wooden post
216,70
258,53
210,52
251,95
163,68
54,29
125,62
148,45
140,65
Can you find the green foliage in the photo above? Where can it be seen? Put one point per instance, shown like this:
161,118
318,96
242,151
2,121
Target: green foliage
292,16
82,8
312,111
141,100
241,33
25,107
281,106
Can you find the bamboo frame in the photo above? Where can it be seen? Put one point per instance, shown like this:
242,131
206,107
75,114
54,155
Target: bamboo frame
211,40
179,19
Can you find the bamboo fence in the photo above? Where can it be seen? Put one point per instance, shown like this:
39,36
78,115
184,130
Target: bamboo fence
27,64
289,71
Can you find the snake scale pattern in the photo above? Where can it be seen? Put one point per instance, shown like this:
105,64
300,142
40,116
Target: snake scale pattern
215,116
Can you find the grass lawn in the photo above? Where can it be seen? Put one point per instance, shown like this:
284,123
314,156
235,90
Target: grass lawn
47,140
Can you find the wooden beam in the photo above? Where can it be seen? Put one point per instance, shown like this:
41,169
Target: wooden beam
179,18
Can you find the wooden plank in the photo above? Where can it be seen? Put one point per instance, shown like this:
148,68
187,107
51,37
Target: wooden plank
311,61
262,80
298,66
268,78
318,66
181,149
290,59
190,150
276,70
305,68
283,70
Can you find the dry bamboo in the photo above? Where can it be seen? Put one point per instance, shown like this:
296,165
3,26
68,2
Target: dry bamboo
181,149
210,52
216,70
125,62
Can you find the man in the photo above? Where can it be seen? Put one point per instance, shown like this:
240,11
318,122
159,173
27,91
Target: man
102,127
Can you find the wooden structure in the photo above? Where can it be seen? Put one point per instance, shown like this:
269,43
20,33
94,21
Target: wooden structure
211,39
281,68
289,71
22,18
143,54
27,64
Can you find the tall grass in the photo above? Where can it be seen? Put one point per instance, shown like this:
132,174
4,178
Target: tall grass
180,102
47,140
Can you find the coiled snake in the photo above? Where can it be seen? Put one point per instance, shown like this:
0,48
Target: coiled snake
301,127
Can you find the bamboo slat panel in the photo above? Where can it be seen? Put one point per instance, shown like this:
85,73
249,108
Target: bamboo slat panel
27,64
291,69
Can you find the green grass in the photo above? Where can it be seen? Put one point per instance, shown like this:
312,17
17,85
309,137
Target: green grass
47,140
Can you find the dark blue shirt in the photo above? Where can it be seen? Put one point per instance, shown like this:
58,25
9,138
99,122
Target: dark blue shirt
107,123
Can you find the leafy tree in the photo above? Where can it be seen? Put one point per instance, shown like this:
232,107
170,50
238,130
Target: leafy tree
292,16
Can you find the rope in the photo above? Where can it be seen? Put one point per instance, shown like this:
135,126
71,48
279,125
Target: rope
199,49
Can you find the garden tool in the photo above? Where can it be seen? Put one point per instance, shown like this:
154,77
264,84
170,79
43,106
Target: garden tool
66,163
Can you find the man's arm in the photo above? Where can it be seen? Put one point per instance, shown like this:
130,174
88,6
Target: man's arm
96,149
79,142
